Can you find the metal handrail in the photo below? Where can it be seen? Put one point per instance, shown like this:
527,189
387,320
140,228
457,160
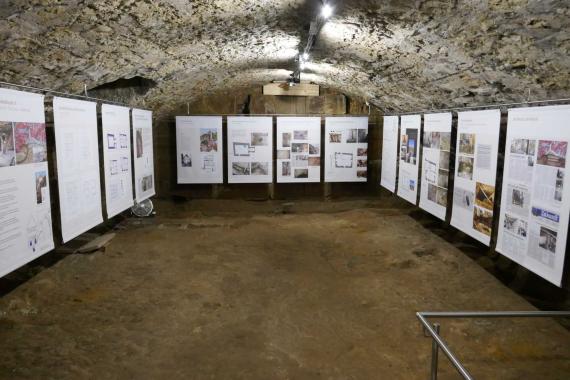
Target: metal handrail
439,343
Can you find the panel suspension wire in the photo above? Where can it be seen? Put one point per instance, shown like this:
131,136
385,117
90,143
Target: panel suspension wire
48,91
499,105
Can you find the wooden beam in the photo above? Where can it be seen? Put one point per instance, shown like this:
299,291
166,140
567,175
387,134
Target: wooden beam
283,89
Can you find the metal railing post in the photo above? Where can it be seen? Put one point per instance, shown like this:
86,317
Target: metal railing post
434,354
438,342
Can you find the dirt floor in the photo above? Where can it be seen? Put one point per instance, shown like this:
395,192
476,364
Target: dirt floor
249,290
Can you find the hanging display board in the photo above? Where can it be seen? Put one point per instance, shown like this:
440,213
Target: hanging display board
535,199
77,154
199,149
475,173
435,163
250,149
346,149
298,149
143,154
389,153
117,159
409,154
25,208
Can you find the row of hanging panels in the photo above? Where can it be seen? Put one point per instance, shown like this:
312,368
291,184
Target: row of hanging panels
25,205
250,152
535,195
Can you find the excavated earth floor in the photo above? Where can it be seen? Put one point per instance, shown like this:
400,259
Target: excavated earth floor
243,290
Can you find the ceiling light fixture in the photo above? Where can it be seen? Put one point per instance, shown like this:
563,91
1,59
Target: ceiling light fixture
327,11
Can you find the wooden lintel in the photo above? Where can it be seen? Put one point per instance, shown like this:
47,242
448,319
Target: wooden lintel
283,89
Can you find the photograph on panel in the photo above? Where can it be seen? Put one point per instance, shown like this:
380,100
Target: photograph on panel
301,135
286,140
139,142
523,146
445,141
467,143
300,148
41,187
30,139
283,154
352,136
409,149
186,160
301,173
484,195
7,145
463,198
515,225
315,148
552,153
286,169
208,140
465,167
444,160
335,137
431,140
146,183
314,161
482,220
241,168
441,196
260,139
259,168
518,199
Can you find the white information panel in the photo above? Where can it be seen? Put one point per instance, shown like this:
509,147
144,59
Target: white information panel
117,157
298,149
250,149
435,163
346,149
143,154
409,154
77,153
475,173
25,209
199,149
389,153
535,200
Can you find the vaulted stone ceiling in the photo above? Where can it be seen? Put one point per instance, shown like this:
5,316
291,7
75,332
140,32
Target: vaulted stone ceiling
399,55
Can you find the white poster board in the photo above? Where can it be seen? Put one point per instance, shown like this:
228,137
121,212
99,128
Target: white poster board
199,149
250,149
77,154
143,154
535,199
346,149
435,163
475,173
25,208
117,159
298,149
389,153
409,157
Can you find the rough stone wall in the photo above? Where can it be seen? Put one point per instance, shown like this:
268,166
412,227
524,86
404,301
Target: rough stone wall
400,55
